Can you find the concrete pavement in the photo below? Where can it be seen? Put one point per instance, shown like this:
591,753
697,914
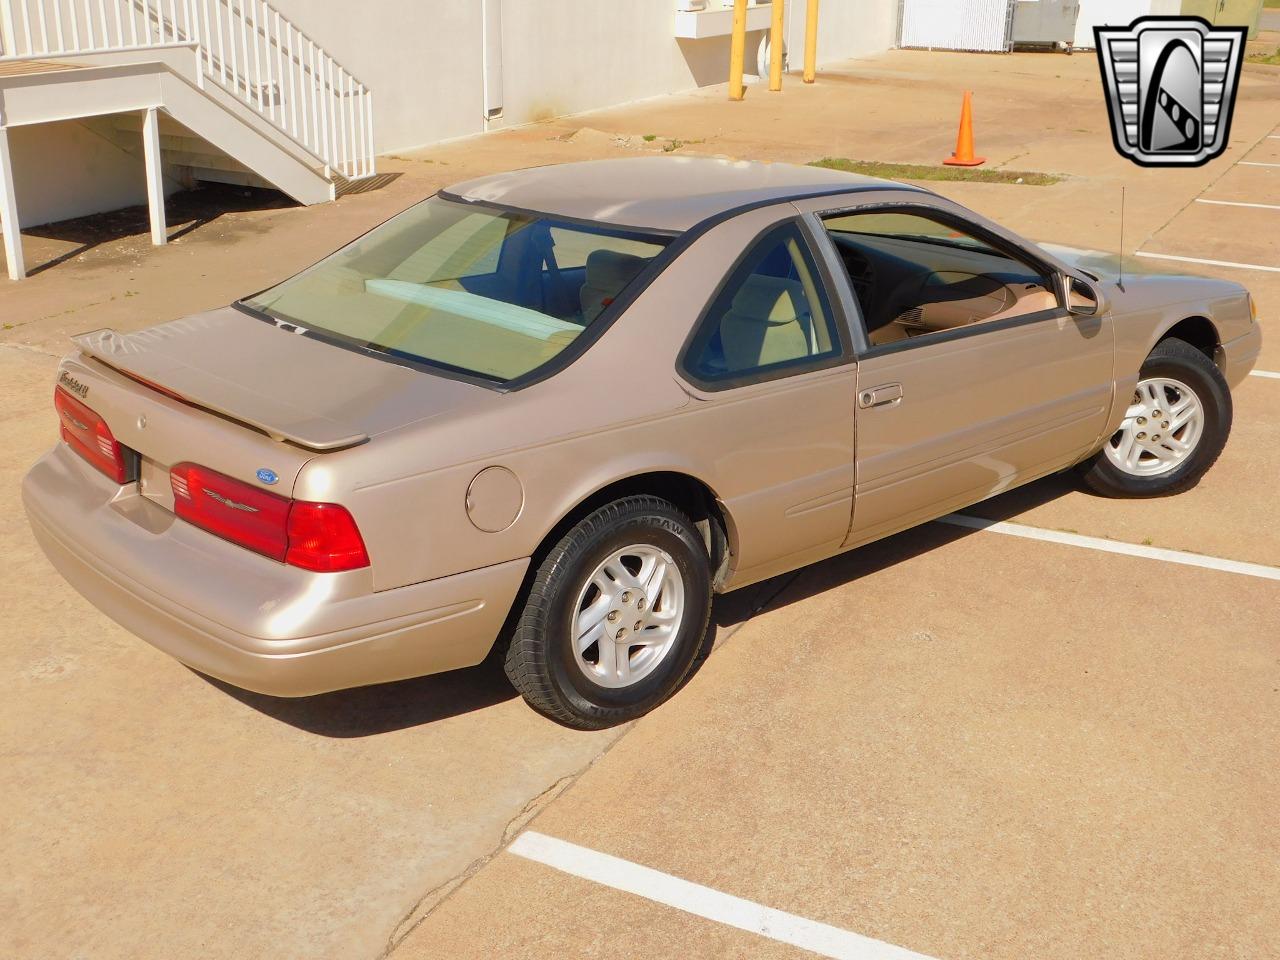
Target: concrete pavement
959,744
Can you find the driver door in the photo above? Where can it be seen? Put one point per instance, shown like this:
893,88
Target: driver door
972,376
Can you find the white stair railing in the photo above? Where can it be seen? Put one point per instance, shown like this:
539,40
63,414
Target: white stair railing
244,46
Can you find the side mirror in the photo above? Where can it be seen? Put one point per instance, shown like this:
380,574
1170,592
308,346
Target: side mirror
1082,299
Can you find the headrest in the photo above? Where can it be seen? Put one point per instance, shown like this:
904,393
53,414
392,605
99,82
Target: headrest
770,300
611,270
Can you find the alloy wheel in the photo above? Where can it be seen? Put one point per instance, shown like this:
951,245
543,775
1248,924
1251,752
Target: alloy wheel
1160,431
628,616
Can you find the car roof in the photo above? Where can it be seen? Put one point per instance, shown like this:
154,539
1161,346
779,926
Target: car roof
659,193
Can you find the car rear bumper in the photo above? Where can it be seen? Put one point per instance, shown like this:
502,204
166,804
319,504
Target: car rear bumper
242,618
1240,355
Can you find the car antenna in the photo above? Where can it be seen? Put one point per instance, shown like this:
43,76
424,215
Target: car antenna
1120,280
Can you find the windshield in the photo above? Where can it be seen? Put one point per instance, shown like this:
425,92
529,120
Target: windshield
485,291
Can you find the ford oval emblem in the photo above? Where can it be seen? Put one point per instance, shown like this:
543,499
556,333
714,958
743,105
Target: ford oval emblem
267,476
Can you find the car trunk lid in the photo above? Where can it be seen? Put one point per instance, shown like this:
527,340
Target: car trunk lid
242,396
291,387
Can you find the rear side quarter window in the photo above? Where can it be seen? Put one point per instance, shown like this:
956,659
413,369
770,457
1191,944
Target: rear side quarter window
771,318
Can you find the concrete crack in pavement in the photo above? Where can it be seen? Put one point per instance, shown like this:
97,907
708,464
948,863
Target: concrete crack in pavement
24,348
1190,203
430,901
437,895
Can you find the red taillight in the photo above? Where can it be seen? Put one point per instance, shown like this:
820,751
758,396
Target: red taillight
315,536
233,510
324,537
88,435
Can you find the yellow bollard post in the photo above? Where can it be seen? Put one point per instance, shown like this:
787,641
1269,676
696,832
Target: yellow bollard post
811,43
775,47
738,50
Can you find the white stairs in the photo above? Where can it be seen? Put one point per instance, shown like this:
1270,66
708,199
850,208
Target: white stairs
186,156
223,90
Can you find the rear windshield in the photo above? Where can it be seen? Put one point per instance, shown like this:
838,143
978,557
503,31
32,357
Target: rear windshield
471,288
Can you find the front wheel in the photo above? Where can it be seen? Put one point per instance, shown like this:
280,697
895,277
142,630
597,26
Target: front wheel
1175,428
615,615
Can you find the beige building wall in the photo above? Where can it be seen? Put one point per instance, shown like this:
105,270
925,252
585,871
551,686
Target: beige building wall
846,28
559,59
422,58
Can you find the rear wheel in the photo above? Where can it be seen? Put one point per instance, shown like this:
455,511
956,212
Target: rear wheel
1176,426
615,615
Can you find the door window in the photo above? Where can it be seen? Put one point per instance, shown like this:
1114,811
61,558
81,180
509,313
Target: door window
770,318
918,278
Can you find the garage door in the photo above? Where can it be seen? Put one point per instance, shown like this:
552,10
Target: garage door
957,24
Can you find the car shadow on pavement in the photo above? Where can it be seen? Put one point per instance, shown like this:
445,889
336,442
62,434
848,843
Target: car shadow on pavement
733,610
387,707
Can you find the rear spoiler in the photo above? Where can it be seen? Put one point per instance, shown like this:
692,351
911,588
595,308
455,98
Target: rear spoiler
141,357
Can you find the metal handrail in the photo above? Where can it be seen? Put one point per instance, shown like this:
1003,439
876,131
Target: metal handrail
244,46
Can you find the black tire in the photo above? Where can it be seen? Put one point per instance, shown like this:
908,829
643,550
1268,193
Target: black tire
1178,360
540,660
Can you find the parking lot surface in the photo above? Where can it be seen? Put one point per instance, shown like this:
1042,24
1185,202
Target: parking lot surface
932,759
956,742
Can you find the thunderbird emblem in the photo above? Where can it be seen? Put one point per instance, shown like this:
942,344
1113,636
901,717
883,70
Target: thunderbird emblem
228,502
1171,88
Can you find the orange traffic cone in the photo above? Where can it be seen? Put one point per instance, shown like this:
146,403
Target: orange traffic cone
963,157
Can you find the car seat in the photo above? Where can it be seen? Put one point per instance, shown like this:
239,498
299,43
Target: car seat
608,273
768,322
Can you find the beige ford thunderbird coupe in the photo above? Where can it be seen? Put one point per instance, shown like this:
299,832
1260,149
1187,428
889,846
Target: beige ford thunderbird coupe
559,409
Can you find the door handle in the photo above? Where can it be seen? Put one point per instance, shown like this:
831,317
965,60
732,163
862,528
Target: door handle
880,396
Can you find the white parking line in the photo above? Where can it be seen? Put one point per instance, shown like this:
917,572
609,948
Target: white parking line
1255,163
819,938
1238,203
1114,546
1211,263
1264,373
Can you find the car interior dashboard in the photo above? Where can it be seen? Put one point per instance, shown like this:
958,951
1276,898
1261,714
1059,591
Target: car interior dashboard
910,287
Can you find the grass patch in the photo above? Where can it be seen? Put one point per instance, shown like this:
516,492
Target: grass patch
1271,59
669,144
920,171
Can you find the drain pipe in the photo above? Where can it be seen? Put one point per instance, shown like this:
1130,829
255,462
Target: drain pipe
491,57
